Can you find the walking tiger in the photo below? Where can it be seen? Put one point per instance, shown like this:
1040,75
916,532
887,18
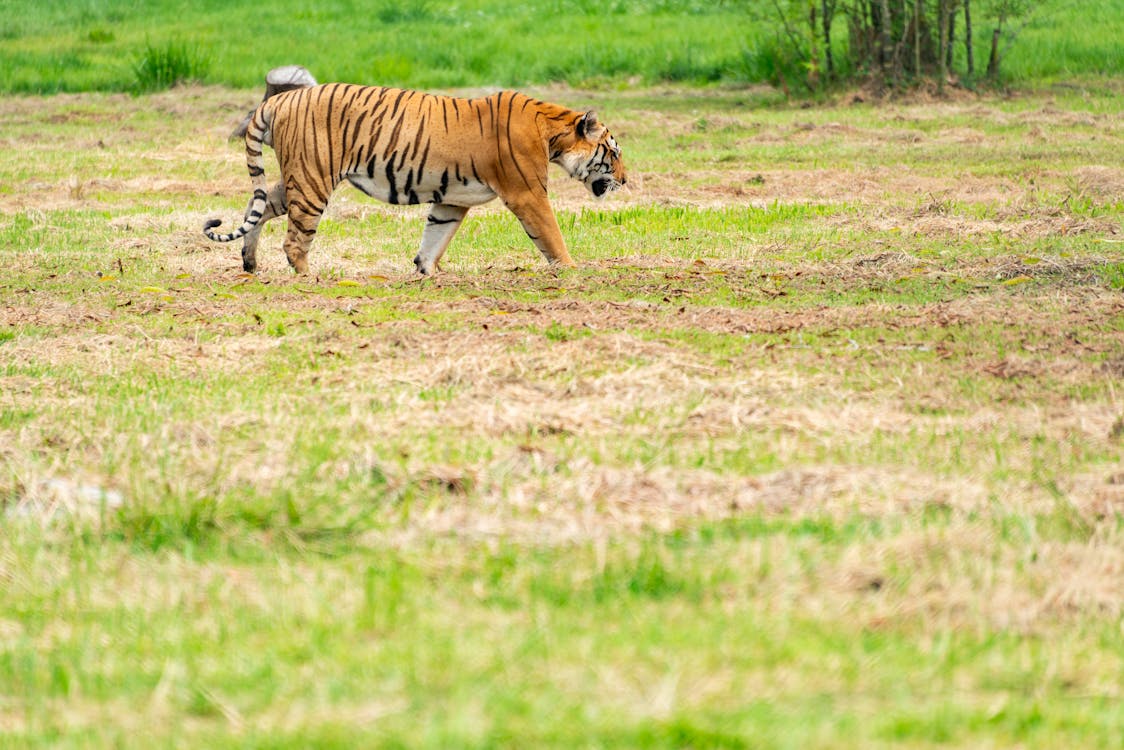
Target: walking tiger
409,147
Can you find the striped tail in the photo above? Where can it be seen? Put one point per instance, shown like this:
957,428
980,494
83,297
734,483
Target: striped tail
256,132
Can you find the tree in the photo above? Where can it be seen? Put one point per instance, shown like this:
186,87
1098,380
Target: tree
952,8
813,55
968,38
1002,12
891,42
827,17
886,42
916,37
942,28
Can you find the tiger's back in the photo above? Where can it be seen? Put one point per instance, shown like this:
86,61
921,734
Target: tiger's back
409,147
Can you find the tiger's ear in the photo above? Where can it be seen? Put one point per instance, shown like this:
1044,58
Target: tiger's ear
589,127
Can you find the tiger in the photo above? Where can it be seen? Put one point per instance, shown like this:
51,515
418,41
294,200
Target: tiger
409,147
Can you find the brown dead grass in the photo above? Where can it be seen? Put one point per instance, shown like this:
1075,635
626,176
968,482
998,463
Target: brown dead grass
533,398
512,385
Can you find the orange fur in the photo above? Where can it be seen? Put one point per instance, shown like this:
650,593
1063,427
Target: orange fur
405,146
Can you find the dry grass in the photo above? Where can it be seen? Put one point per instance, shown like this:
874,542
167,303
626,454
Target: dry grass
882,436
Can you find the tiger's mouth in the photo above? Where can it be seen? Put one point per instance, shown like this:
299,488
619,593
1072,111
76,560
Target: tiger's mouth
603,185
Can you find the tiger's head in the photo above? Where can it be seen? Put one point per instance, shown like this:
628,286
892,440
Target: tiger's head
590,154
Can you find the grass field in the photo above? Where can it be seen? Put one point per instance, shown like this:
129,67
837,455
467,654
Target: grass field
110,45
821,445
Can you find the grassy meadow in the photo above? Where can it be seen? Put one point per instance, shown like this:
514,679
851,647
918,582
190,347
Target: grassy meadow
107,45
821,445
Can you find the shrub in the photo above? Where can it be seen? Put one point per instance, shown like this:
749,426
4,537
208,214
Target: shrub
161,67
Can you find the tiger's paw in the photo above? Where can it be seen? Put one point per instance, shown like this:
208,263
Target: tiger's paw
426,269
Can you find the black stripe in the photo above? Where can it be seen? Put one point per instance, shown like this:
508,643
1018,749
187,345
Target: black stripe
359,120
393,143
425,156
418,137
393,198
397,102
368,92
355,160
310,123
328,123
511,145
313,184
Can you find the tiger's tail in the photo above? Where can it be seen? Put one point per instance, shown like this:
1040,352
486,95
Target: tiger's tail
256,133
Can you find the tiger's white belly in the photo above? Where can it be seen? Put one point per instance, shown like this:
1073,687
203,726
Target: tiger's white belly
472,194
430,189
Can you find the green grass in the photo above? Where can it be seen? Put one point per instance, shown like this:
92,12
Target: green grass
819,446
166,66
115,46
517,651
1088,47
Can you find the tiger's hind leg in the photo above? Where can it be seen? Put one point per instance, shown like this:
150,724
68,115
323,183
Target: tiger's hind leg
275,205
443,222
303,220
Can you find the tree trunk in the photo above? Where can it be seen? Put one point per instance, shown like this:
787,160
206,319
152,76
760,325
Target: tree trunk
917,38
813,54
829,61
993,58
902,44
951,37
885,41
942,25
968,38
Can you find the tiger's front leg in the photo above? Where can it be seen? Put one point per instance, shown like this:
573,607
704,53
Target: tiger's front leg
275,205
443,222
537,217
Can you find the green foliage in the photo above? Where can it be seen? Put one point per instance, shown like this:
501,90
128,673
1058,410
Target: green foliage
105,46
161,67
393,12
100,36
1113,275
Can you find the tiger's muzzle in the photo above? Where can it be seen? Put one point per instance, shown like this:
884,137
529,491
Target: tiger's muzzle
602,186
